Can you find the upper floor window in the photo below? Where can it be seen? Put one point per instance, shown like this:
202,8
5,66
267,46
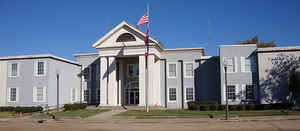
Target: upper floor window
133,70
230,64
248,64
126,37
40,68
189,70
14,69
172,70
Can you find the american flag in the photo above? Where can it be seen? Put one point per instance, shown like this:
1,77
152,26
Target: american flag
143,20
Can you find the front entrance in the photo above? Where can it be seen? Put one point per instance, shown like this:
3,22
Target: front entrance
131,92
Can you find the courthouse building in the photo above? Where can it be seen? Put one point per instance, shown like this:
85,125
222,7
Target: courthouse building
116,75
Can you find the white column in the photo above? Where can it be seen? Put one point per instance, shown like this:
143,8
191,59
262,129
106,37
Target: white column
103,81
120,82
151,98
112,82
142,80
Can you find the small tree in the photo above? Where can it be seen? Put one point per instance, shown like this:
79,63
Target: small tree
255,40
293,86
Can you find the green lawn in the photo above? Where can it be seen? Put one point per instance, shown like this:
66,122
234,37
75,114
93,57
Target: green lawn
189,113
6,114
77,113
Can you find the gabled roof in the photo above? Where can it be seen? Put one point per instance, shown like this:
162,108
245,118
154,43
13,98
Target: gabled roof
118,27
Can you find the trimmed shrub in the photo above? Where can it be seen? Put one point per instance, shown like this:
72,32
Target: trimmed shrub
7,109
241,107
250,107
213,107
233,107
204,107
207,102
76,106
221,107
19,109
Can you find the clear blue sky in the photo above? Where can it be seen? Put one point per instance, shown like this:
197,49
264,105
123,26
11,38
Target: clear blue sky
66,27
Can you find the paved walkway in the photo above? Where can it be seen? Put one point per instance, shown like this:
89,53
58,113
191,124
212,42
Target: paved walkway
105,116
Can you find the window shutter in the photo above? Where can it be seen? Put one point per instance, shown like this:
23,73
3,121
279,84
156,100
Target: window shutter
243,92
34,94
78,94
8,94
242,64
235,67
9,69
18,69
45,95
35,68
45,68
71,95
17,94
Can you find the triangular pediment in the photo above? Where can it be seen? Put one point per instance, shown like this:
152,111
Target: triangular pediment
112,38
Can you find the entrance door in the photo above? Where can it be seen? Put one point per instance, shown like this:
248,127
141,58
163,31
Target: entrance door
133,98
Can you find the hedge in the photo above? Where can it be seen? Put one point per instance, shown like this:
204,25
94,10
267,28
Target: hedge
76,106
213,106
21,109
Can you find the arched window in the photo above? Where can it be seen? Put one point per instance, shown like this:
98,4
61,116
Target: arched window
125,38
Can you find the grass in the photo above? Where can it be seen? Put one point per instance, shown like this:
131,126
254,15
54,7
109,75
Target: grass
76,113
6,114
189,113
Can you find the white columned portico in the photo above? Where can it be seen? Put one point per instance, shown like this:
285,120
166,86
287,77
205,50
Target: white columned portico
142,66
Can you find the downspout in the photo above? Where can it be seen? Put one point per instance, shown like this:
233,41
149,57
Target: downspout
182,87
81,84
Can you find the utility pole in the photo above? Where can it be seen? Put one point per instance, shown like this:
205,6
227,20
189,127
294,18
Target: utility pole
226,92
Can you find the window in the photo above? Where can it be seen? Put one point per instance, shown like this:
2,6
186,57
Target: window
73,94
126,37
39,94
40,68
172,70
231,92
249,92
14,69
130,70
172,94
248,64
230,64
13,94
189,94
133,70
86,95
189,70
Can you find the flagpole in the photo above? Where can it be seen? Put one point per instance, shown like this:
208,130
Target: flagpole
147,75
